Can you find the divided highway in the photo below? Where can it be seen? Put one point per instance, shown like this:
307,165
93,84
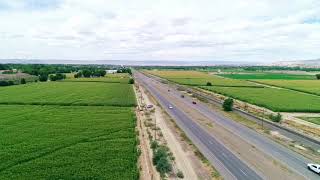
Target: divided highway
230,166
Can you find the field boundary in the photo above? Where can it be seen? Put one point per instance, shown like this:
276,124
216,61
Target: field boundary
261,105
64,104
211,85
288,88
66,81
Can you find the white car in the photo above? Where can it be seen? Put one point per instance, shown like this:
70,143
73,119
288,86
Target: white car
314,167
170,107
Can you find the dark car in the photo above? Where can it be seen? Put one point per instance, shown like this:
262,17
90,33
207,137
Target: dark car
182,96
193,102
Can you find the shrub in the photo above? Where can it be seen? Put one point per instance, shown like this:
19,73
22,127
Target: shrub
180,174
131,81
23,81
161,161
52,77
228,104
57,77
209,84
43,77
10,83
275,118
154,145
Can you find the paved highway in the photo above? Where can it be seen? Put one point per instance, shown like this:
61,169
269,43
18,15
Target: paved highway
297,137
293,160
229,165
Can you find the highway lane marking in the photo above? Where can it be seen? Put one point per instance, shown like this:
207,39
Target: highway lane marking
243,172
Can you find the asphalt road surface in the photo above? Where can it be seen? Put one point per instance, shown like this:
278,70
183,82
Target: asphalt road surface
230,166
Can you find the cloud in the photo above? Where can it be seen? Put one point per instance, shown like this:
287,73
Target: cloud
253,30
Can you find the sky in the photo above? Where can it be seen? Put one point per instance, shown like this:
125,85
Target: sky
151,30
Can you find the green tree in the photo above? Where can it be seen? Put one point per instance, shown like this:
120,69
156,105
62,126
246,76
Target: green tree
209,84
228,104
131,81
275,118
52,77
180,174
318,76
43,77
86,73
23,81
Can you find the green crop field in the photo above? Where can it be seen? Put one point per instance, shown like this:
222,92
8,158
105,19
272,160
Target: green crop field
282,100
69,93
308,86
268,76
109,78
74,142
195,78
315,120
101,79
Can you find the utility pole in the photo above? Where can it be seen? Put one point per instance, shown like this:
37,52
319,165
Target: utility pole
155,128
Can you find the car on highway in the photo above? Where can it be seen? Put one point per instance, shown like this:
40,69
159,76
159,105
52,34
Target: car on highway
170,107
314,167
182,96
150,106
193,102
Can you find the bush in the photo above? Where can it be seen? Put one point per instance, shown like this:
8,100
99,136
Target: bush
10,83
43,77
52,77
180,174
154,145
228,104
318,76
23,81
209,84
6,83
161,161
57,77
131,81
275,118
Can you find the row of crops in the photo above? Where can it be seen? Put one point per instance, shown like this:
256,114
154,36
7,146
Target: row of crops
81,130
295,95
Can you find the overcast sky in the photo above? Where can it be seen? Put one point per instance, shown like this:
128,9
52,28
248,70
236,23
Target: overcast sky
192,30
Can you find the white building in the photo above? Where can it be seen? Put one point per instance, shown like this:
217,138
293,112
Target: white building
111,71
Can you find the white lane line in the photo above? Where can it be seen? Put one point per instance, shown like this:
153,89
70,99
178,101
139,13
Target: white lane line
243,172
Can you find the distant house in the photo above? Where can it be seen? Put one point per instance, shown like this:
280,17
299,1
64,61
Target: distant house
111,71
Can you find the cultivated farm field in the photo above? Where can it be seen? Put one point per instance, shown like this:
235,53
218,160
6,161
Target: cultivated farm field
74,142
308,86
270,76
109,78
279,100
315,120
195,78
69,93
